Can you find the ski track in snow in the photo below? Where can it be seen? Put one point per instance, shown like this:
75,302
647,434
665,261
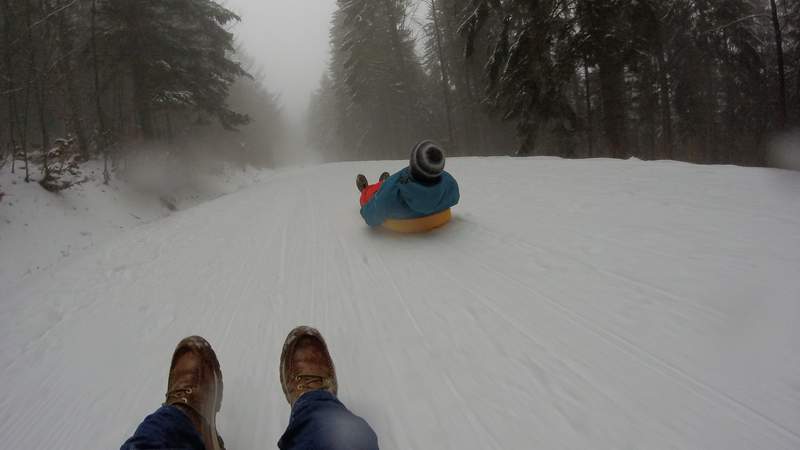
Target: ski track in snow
569,305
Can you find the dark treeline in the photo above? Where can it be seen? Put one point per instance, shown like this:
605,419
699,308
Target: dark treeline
699,80
94,75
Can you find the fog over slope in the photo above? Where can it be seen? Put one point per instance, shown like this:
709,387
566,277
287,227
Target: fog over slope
289,39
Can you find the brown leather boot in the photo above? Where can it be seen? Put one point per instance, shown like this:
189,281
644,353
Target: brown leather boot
195,387
306,364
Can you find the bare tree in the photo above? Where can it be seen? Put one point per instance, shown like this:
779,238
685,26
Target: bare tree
445,78
10,86
102,144
781,71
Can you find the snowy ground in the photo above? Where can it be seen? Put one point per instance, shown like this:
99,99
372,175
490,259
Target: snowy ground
591,304
39,229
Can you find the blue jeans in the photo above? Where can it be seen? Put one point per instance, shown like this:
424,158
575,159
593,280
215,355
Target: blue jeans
167,428
319,421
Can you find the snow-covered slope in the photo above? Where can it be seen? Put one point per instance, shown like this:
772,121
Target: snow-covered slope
591,304
39,229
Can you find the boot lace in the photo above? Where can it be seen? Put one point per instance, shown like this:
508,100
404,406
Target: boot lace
180,393
312,382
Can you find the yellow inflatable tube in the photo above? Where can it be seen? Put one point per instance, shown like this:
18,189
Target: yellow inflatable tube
420,224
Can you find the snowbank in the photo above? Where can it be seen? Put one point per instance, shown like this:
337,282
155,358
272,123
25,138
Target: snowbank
40,229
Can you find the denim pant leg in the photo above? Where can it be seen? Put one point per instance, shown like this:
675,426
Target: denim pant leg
321,422
167,428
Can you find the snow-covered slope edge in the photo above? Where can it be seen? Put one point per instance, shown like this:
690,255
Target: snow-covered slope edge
570,304
40,229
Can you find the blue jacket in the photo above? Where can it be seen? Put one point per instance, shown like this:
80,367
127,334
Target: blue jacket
403,197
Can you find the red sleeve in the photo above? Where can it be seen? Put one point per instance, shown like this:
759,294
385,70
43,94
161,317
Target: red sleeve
369,192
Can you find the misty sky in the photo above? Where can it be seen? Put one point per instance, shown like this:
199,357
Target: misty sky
289,39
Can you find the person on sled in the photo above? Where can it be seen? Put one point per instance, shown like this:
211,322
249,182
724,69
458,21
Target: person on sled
417,198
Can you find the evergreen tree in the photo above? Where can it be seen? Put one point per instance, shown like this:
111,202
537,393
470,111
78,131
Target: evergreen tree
178,54
665,75
530,65
377,79
791,27
94,74
322,123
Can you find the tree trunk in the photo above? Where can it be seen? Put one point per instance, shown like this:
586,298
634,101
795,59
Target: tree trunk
31,76
651,113
43,127
102,145
588,95
445,77
120,128
666,110
400,59
73,96
10,84
170,131
781,73
612,89
141,100
26,121
41,90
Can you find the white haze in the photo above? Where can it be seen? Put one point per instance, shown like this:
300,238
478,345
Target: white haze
289,40
784,151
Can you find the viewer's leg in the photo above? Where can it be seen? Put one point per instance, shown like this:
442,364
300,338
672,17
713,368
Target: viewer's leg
168,427
187,420
318,419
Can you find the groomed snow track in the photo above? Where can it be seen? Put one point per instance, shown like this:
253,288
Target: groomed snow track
591,304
